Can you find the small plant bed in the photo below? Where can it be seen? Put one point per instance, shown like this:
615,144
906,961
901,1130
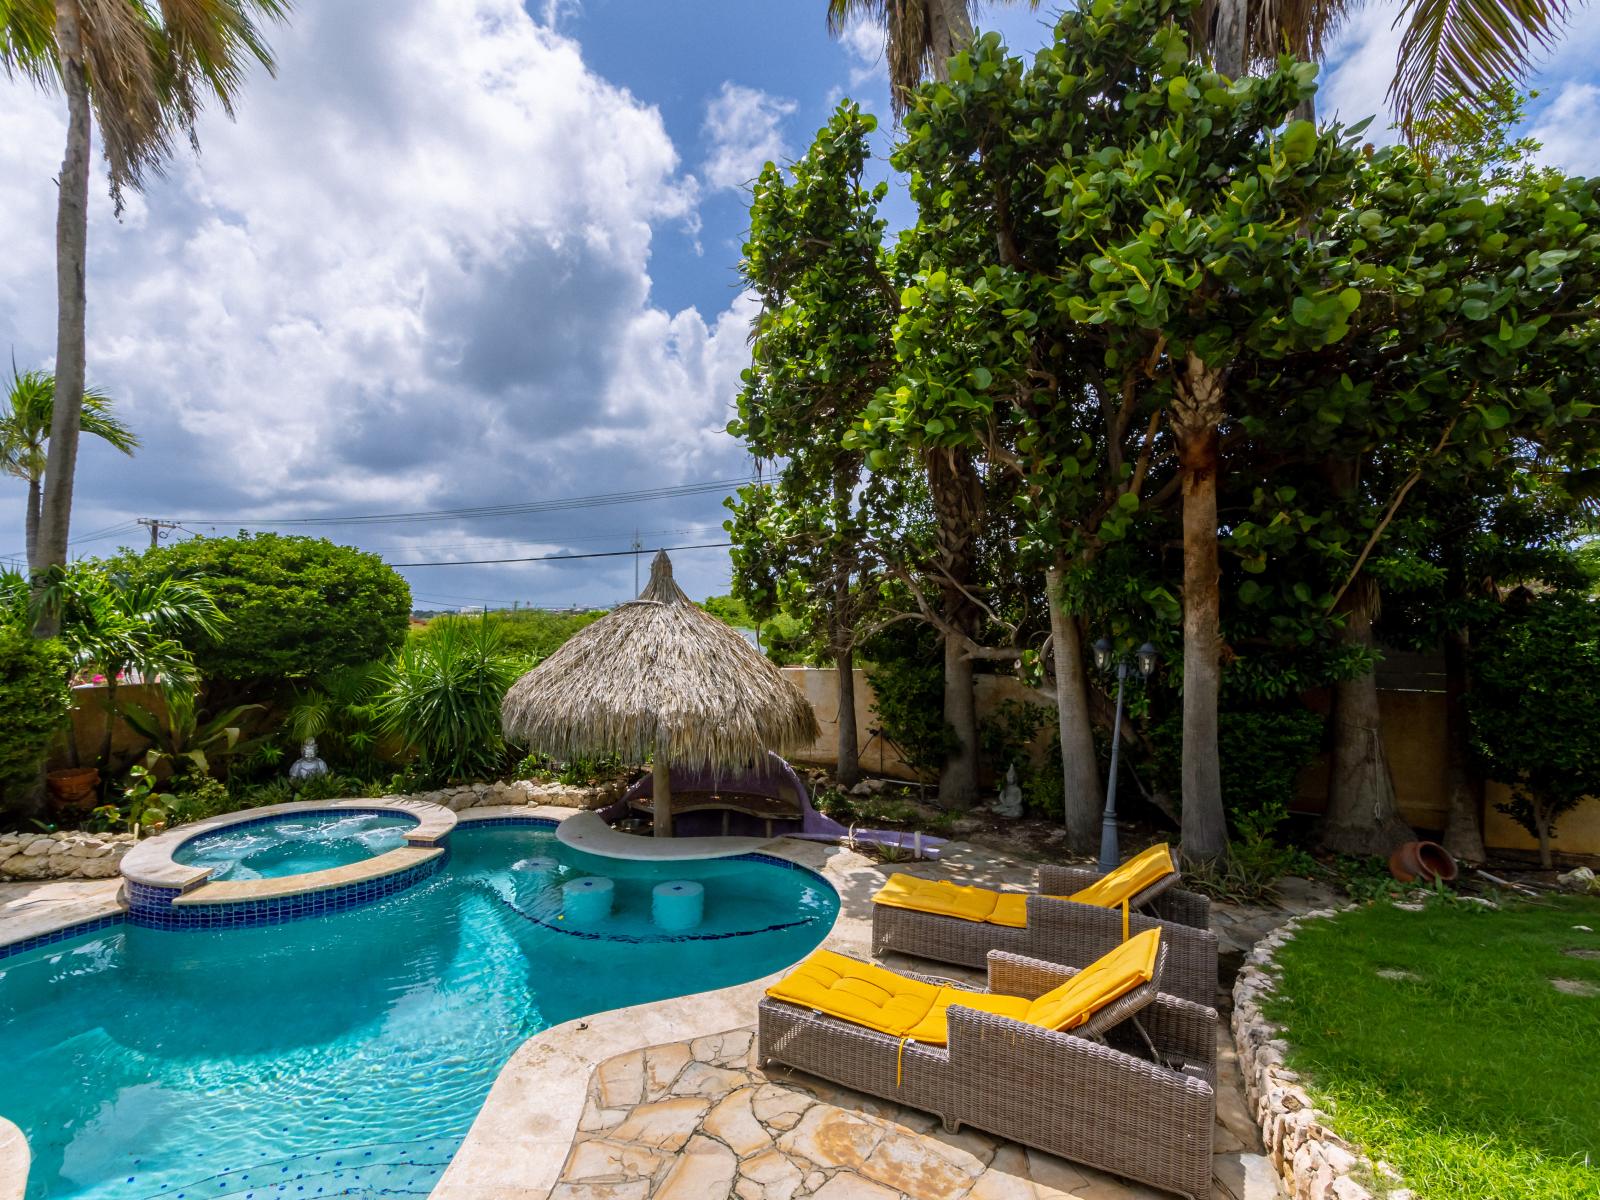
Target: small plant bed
1460,1044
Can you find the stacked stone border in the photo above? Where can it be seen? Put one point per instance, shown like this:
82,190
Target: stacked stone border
1314,1162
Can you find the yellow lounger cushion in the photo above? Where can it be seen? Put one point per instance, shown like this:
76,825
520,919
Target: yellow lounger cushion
1109,977
942,898
879,999
857,992
939,897
1128,880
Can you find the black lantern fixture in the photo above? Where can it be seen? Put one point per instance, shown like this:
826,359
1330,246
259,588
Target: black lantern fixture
1105,657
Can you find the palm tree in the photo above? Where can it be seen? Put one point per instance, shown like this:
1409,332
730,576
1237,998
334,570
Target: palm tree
116,624
25,433
923,35
144,68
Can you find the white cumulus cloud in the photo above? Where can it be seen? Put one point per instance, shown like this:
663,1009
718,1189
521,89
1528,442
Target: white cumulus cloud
744,129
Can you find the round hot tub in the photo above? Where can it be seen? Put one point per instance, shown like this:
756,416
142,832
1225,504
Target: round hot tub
268,865
295,843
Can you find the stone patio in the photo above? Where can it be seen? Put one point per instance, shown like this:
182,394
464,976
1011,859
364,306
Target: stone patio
700,1120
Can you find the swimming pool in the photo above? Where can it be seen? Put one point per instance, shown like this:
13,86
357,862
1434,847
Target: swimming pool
294,844
348,1054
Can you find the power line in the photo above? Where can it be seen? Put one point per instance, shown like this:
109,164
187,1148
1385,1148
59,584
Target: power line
563,504
481,562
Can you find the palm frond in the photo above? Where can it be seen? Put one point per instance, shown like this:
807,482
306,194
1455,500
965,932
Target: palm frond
1465,47
27,41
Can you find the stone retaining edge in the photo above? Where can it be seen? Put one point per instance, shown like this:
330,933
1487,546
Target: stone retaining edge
1314,1162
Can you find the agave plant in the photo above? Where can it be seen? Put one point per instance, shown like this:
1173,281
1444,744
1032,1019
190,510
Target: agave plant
441,698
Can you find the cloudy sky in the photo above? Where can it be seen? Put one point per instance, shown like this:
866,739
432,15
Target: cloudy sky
470,253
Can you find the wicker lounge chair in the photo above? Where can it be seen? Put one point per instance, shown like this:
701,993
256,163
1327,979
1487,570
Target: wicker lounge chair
1135,1098
1063,931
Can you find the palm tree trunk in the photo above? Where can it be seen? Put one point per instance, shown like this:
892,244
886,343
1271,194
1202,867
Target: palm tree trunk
1081,797
72,237
848,772
31,523
950,32
1196,415
1228,37
661,793
957,494
1362,816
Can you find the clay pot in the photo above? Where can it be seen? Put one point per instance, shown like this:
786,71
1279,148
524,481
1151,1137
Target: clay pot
1424,862
72,787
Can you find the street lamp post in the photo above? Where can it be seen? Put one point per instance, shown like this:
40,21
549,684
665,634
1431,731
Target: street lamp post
1110,852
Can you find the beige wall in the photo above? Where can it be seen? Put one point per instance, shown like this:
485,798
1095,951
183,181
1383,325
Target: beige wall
89,723
1413,735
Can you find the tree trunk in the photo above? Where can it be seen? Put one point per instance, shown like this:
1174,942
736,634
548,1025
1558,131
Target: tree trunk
72,236
1362,816
848,772
1228,31
661,794
1081,796
31,523
957,494
1463,823
1541,822
1197,413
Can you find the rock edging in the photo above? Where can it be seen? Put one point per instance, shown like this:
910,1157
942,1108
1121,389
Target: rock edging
64,854
521,791
1314,1162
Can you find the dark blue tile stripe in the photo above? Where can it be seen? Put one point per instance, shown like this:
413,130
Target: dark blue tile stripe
94,925
153,908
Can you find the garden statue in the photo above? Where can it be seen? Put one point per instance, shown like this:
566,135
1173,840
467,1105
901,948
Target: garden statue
1010,802
308,765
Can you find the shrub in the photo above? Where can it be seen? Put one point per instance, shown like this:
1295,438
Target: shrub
1262,752
1534,720
441,697
906,670
531,634
296,607
35,698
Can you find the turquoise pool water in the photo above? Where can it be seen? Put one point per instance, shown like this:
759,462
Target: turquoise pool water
348,1054
295,845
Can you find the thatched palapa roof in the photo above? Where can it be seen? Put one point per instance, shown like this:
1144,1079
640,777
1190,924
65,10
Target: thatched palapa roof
658,674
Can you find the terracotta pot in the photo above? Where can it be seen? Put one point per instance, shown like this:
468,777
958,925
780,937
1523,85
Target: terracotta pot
73,785
1423,862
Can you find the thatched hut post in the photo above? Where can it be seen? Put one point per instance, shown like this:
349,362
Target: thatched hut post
659,677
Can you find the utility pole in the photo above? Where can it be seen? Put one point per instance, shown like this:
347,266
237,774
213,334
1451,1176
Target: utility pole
156,527
637,546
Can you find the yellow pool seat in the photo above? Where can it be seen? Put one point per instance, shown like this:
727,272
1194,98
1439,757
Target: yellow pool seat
879,999
945,899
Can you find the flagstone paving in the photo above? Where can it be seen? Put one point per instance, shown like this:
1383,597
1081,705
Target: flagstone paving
700,1120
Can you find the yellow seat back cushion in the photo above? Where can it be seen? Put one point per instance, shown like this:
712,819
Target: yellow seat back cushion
857,992
934,1029
1011,910
1128,880
1108,978
939,897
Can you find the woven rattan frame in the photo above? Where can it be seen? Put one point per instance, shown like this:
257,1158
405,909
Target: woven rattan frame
1062,1093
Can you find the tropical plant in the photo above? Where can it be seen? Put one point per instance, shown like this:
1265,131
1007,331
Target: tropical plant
144,804
1534,720
298,608
441,697
145,71
35,698
25,435
339,710
185,743
115,624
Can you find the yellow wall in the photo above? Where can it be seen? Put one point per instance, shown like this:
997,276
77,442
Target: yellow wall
1413,735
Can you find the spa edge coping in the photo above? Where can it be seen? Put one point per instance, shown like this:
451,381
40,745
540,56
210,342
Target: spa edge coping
151,863
519,1140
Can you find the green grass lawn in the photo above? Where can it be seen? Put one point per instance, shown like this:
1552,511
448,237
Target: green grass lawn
1476,1078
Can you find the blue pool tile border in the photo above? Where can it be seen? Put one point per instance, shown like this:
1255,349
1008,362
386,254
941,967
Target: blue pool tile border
92,925
466,821
153,907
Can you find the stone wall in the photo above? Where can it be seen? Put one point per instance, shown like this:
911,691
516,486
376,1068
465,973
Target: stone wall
66,854
522,791
1314,1162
